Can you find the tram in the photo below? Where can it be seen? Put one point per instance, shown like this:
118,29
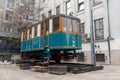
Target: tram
51,38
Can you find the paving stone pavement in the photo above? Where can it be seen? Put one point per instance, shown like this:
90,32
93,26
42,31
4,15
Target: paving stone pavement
11,72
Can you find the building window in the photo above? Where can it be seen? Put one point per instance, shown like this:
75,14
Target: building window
58,10
8,28
81,5
43,1
22,1
9,46
68,7
8,16
43,16
82,28
99,31
100,57
97,1
49,13
81,56
11,4
31,7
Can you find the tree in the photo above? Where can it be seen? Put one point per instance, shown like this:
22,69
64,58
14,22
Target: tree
24,15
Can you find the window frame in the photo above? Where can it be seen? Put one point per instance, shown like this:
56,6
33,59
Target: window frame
11,4
46,27
42,28
80,4
100,57
96,2
70,22
58,10
71,26
24,35
54,25
99,29
8,16
82,28
35,31
49,13
30,33
68,8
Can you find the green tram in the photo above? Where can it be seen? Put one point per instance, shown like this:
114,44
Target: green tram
51,38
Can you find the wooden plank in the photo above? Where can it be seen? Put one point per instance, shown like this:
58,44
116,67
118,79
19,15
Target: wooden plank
39,68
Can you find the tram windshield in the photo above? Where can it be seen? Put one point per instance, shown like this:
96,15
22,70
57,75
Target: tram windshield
69,25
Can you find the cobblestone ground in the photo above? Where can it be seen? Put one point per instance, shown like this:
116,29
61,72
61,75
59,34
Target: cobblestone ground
11,72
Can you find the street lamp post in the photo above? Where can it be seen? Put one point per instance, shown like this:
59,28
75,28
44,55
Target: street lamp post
93,57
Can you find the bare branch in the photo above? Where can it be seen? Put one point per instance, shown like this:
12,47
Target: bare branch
22,13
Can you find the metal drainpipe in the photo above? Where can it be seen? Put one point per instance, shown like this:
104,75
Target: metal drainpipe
109,32
93,57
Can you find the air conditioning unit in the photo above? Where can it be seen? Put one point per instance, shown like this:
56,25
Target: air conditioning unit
86,37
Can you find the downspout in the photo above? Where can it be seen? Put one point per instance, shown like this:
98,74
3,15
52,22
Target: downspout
109,32
92,41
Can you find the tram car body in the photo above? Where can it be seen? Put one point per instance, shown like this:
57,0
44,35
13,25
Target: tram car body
51,37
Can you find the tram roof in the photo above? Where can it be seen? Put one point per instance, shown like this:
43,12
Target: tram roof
63,15
54,16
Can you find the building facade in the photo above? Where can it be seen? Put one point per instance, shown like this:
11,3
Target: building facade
9,35
106,25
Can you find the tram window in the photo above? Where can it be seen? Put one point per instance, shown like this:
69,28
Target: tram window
50,25
74,26
70,25
30,33
24,35
55,24
47,27
35,31
42,28
38,30
27,34
64,24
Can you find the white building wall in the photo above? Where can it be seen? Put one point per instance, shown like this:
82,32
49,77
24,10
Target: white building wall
100,10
